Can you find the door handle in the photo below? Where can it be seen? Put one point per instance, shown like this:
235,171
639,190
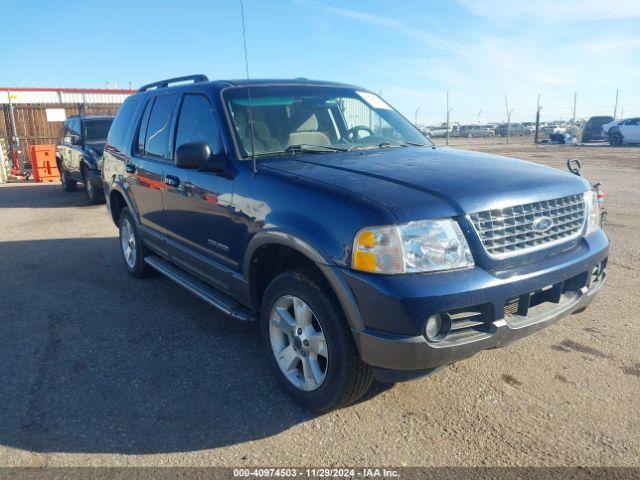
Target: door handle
171,180
130,168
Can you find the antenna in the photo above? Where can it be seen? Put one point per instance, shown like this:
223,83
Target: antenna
246,67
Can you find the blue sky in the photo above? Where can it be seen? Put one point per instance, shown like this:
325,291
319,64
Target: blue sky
410,51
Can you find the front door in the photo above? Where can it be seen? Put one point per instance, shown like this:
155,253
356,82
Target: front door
630,130
197,203
72,148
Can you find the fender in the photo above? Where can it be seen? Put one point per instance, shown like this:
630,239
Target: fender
122,188
328,269
90,162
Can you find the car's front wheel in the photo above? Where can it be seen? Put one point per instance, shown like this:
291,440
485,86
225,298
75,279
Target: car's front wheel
615,139
68,184
92,187
309,345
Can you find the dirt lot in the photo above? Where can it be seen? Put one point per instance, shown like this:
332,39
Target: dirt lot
97,368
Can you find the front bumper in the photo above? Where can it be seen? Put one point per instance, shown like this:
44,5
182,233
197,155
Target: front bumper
395,309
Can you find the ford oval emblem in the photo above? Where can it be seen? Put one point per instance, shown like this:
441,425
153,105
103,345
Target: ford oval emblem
542,224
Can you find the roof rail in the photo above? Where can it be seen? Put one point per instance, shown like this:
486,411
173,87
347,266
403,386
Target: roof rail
198,78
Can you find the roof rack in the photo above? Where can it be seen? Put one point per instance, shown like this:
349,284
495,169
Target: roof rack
198,78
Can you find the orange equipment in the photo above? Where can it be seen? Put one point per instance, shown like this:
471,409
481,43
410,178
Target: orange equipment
43,163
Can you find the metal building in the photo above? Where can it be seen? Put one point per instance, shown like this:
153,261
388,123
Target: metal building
35,115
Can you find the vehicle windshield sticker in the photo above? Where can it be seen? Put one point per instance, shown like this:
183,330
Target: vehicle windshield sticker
374,100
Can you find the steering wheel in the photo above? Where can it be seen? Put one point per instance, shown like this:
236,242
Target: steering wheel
352,133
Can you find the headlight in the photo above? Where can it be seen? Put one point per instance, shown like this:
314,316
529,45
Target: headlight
592,211
422,246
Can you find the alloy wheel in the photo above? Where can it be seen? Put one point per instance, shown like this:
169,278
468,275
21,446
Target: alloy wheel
128,242
298,343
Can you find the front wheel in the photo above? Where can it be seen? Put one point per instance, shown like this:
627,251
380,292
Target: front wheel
92,187
68,184
615,139
309,345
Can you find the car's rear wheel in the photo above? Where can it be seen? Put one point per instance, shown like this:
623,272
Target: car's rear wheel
615,139
133,251
92,187
68,184
308,343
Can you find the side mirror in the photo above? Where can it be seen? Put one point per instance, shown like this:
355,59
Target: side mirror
192,155
75,139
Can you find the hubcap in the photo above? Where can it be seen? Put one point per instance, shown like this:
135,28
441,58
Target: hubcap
298,343
128,242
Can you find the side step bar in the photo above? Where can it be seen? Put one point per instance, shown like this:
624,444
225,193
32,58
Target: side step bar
213,297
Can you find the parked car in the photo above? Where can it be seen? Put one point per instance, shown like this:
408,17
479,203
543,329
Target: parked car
78,151
359,253
624,131
467,131
551,129
592,130
515,129
425,131
441,131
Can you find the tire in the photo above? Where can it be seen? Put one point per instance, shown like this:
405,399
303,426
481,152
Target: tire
341,377
615,139
130,237
92,187
68,184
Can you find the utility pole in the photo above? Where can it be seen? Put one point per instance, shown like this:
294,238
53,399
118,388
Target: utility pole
506,104
448,113
535,139
416,117
573,118
615,108
130,85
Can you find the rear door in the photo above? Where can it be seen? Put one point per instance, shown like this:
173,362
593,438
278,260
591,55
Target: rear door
197,204
151,155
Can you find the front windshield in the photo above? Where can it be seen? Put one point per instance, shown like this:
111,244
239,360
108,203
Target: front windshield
315,118
97,130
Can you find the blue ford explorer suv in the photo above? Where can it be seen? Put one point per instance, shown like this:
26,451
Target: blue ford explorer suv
361,249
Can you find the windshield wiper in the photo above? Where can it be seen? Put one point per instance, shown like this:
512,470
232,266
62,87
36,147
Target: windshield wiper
401,143
307,148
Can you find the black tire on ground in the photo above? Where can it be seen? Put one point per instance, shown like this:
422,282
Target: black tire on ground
68,184
130,236
92,187
347,378
615,139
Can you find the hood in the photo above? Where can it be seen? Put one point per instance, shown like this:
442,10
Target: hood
437,182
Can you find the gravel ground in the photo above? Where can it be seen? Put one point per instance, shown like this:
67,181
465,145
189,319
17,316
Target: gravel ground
97,368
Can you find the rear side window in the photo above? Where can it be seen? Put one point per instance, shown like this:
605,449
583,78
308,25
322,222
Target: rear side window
197,123
120,126
159,127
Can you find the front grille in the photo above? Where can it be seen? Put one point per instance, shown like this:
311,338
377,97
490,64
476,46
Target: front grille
510,231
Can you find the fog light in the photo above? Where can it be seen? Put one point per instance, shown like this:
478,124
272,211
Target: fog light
437,327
